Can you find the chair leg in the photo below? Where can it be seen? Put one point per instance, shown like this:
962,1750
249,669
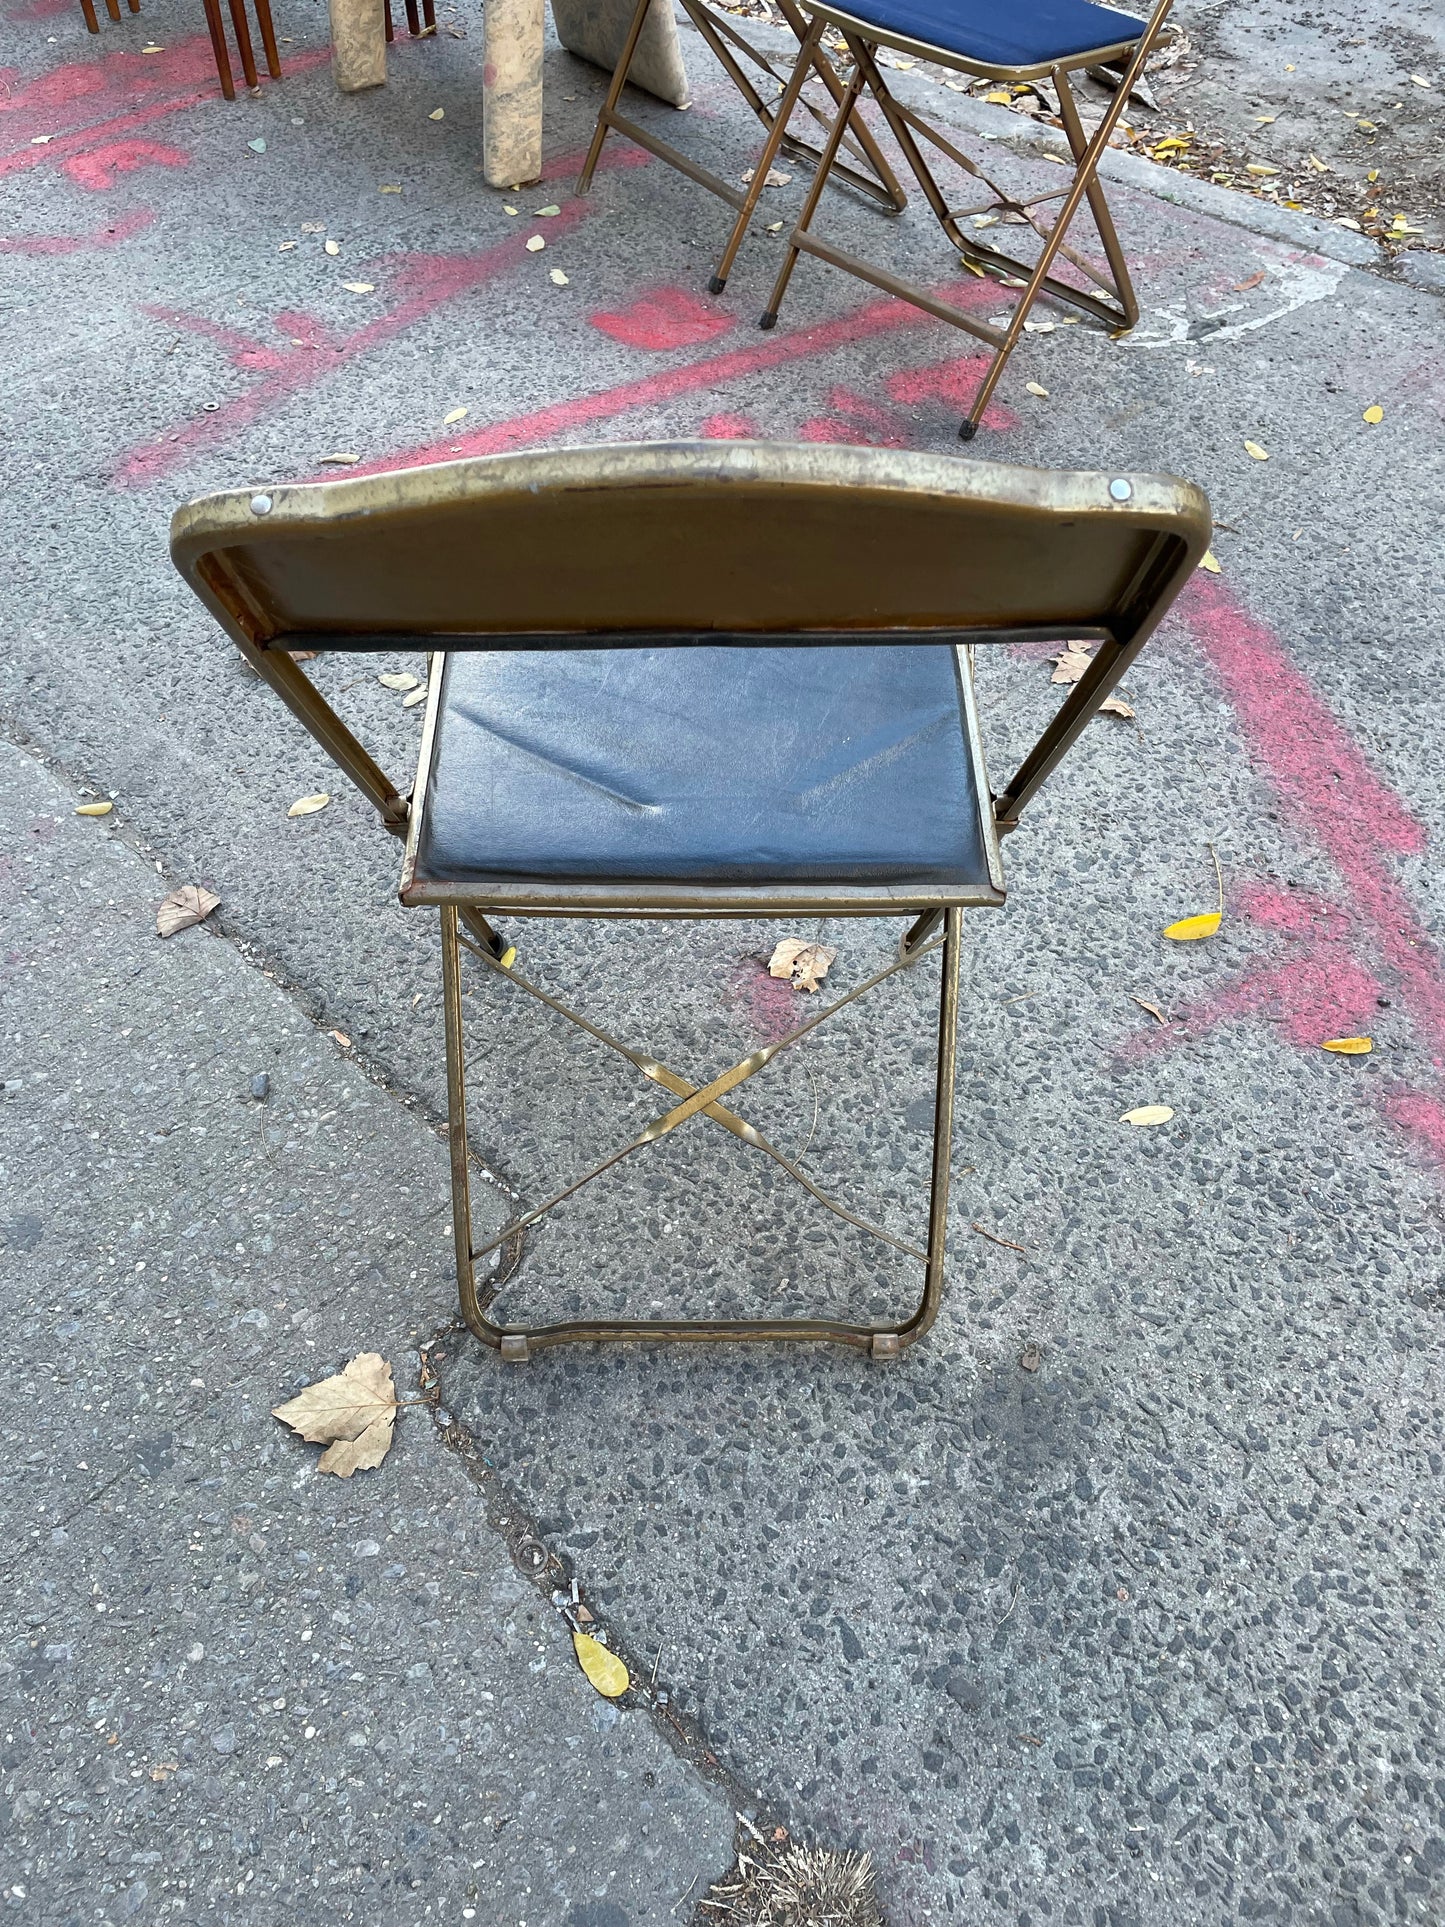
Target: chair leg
428,16
390,23
243,42
216,28
457,1123
413,19
112,7
815,190
933,1274
87,7
268,38
781,115
614,94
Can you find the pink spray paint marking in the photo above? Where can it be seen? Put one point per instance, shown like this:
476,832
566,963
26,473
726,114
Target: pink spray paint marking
560,418
136,222
1339,956
308,352
857,420
86,104
98,167
955,383
665,318
729,428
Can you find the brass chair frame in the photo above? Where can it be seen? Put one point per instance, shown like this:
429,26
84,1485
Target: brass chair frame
881,545
872,177
1115,304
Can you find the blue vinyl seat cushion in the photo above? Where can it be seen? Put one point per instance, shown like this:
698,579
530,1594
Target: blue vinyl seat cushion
1016,33
703,763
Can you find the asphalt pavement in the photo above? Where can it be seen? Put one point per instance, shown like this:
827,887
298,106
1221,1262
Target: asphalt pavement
1116,1601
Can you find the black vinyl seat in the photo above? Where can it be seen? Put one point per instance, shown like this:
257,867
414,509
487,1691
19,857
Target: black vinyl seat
704,762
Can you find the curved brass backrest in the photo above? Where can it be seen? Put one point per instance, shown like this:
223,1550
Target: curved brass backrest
691,538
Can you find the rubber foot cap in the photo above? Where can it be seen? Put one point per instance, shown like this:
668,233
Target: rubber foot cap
716,285
768,321
967,431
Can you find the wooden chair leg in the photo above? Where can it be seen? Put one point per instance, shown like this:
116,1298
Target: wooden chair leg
112,7
87,7
413,18
390,24
243,42
429,14
268,38
217,31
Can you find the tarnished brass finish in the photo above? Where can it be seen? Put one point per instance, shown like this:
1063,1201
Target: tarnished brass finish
756,545
1115,305
720,34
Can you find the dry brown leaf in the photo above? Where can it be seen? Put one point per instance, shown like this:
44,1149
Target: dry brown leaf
413,697
1112,706
775,177
805,965
344,460
397,679
352,1413
1034,388
1153,1009
183,908
1072,661
1209,562
1243,287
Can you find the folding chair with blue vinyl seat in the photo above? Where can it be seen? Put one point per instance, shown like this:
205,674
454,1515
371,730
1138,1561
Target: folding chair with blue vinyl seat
1028,40
697,680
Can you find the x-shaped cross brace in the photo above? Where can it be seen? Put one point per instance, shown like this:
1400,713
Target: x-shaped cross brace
697,1100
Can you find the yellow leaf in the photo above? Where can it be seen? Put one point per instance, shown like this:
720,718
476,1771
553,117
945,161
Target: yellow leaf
536,244
972,266
344,460
1034,389
551,208
1000,98
1210,561
1419,80
1265,120
559,280
396,679
1191,929
1373,175
508,956
453,415
154,49
1373,414
94,809
605,1670
414,697
1365,126
332,247
309,805
510,210
437,113
1259,454
389,189
1349,1046
359,287
1148,1114
1258,167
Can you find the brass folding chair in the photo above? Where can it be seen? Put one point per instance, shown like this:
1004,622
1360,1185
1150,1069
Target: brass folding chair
867,170
691,680
1027,40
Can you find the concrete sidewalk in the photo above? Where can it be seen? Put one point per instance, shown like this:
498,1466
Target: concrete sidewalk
237,1690
1146,1636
